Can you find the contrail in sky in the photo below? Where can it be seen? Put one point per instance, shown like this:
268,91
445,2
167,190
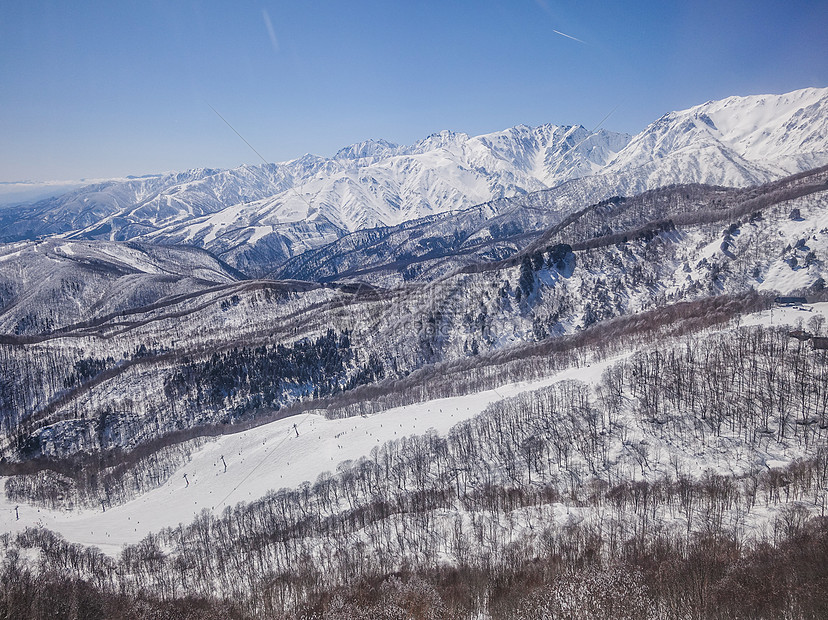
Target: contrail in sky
568,36
270,32
544,6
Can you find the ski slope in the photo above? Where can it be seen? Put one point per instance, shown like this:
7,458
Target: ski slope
265,458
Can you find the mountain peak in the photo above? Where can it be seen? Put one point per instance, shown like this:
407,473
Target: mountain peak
440,140
368,148
735,141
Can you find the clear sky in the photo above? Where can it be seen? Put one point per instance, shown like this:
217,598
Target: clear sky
109,88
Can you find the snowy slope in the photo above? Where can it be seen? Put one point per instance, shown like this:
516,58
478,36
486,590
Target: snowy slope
257,217
378,184
737,141
45,285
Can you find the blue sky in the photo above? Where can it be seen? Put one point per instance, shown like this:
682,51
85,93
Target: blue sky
96,89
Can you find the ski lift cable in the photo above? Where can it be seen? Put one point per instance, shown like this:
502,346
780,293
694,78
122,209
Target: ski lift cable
266,163
262,461
589,135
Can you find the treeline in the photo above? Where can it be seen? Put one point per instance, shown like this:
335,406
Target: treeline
535,360
220,388
621,220
55,378
711,578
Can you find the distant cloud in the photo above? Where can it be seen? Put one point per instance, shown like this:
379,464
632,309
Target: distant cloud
271,33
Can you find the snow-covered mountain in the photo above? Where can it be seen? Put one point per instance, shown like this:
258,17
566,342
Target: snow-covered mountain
257,217
190,345
272,212
46,285
523,392
619,332
277,211
737,141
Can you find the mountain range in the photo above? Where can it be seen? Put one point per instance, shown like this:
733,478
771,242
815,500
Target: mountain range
519,375
257,217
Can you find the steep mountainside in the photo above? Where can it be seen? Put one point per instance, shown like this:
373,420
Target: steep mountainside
433,247
737,141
